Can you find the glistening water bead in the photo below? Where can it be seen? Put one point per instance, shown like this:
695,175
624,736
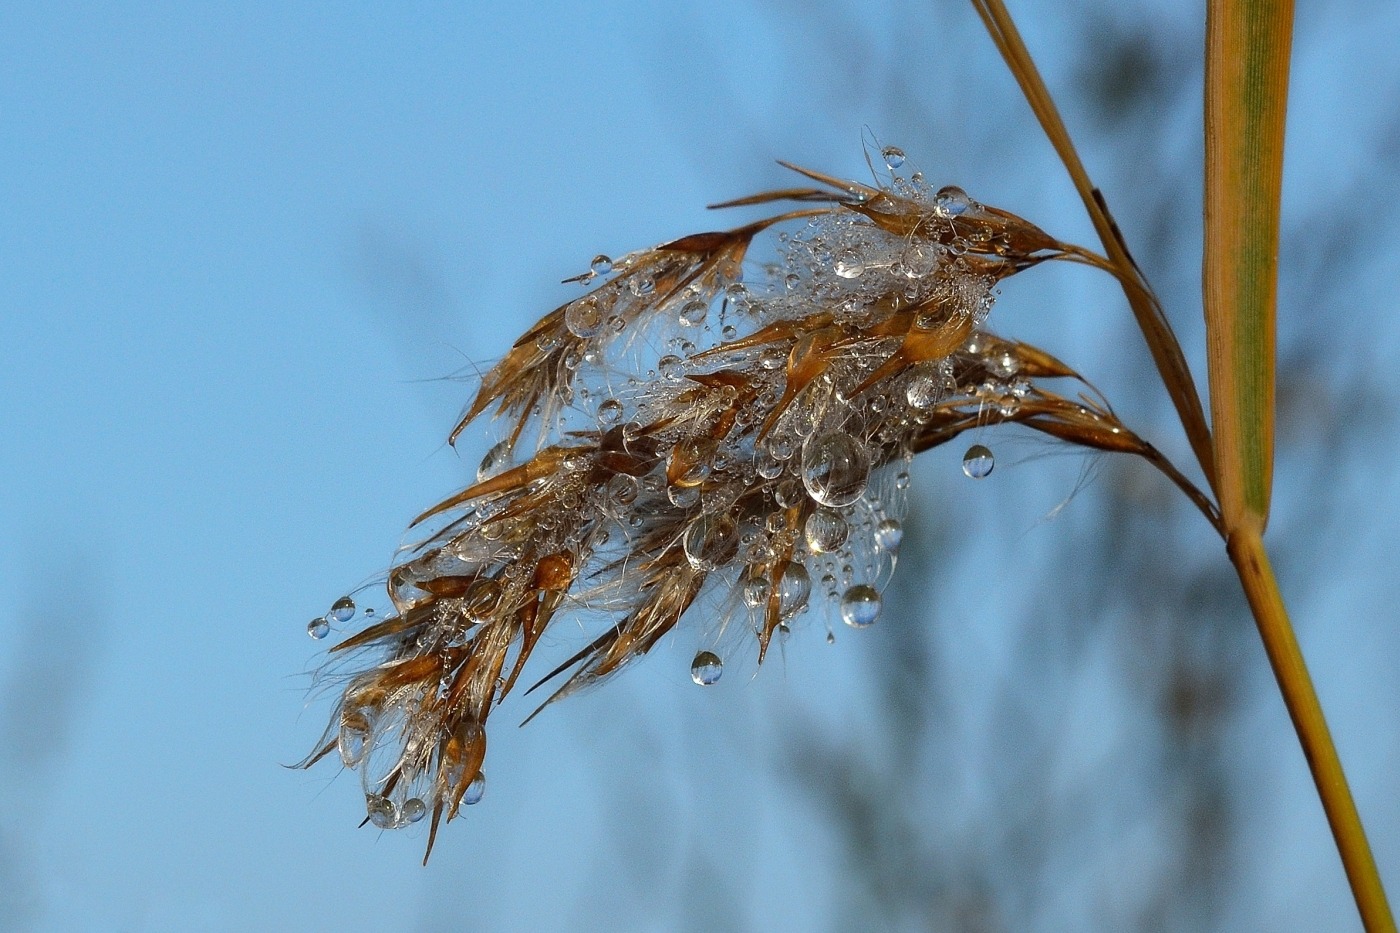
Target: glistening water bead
706,668
475,790
414,810
835,469
978,462
860,606
825,531
318,628
601,265
342,610
893,156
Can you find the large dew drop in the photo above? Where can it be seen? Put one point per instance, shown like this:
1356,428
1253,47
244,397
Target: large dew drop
497,460
382,812
888,534
835,469
793,591
601,265
825,531
893,156
475,790
860,606
354,737
318,628
414,810
584,317
978,462
342,610
711,542
706,668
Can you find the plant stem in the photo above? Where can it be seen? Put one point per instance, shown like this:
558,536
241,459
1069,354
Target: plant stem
1246,549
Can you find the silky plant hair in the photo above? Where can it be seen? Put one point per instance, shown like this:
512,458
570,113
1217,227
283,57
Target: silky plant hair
702,433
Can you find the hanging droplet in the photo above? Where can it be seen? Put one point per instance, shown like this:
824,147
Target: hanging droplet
888,534
706,668
353,738
860,606
825,531
794,590
414,810
601,265
711,542
772,358
901,479
756,592
952,201
318,628
830,637
978,462
584,317
475,790
693,312
893,156
835,469
610,411
683,497
382,812
342,610
496,461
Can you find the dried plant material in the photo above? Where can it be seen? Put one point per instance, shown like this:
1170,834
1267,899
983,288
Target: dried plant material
700,429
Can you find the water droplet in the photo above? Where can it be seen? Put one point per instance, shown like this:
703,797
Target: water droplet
729,332
756,592
835,468
706,668
860,606
849,265
369,611
888,534
669,366
952,201
683,497
893,156
711,542
901,480
831,638
925,388
788,493
496,461
978,462
584,317
342,610
825,531
792,280
601,265
622,489
693,312
482,600
353,738
382,812
793,591
414,810
475,790
772,358
318,628
610,411
641,285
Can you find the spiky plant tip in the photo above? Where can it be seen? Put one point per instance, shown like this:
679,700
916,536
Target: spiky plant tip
699,428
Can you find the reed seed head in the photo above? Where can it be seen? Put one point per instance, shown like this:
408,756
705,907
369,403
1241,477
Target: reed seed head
698,427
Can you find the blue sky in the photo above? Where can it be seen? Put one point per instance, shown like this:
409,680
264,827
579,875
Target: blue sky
239,245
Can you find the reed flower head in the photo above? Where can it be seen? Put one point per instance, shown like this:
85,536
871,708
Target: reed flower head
699,427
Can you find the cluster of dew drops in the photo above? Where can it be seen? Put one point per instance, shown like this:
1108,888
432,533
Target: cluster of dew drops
381,810
834,472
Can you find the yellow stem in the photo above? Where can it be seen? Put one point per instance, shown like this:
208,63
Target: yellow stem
1251,560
